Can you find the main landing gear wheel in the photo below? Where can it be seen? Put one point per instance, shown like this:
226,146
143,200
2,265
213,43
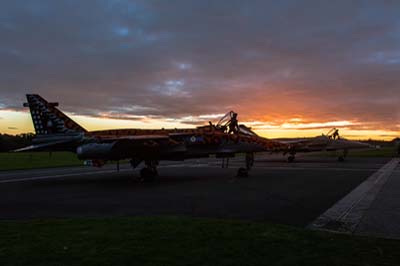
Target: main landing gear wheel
341,158
242,172
291,158
149,172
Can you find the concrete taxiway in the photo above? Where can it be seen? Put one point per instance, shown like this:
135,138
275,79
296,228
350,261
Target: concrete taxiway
276,191
372,208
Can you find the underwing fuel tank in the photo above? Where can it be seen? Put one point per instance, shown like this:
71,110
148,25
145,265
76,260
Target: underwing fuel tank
95,151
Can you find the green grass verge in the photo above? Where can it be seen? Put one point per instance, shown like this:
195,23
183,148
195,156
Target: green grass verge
382,152
183,241
14,161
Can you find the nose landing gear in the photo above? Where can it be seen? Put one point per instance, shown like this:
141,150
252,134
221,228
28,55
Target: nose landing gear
244,172
342,157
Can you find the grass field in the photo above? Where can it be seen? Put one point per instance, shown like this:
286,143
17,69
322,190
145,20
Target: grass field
382,152
13,161
183,241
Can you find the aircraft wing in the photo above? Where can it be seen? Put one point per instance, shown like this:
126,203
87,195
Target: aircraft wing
343,144
128,146
298,141
124,144
137,138
146,142
42,146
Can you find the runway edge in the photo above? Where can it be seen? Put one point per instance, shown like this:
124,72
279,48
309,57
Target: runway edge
346,214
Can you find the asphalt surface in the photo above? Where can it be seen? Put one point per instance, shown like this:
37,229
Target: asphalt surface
276,191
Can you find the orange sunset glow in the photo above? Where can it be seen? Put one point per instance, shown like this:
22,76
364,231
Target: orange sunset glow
140,64
16,122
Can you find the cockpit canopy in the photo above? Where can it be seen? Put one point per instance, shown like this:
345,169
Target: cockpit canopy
333,134
246,130
225,120
224,123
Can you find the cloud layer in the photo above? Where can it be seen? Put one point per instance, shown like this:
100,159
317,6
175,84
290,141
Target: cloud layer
271,61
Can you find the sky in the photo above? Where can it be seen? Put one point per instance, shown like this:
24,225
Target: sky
289,68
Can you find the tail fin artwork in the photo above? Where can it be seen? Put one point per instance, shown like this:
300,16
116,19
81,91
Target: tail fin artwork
48,120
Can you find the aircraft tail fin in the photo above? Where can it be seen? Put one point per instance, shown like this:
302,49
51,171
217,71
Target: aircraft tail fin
47,119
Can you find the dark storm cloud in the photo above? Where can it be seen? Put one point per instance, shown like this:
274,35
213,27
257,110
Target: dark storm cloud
267,59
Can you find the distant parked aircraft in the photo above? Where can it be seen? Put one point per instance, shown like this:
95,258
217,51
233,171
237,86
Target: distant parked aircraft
329,142
55,131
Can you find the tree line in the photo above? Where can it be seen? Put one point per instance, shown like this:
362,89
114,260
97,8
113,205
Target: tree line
12,142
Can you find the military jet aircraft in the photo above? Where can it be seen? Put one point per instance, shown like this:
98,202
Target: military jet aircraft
55,131
329,142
